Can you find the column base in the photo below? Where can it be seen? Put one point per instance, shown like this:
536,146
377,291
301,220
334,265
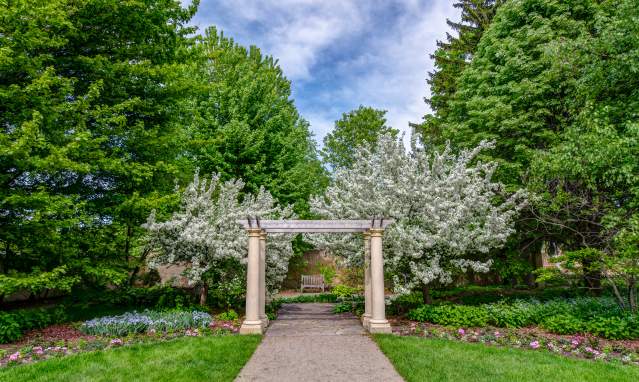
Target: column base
366,320
251,327
265,322
379,326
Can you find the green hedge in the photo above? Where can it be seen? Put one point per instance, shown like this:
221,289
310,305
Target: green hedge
598,316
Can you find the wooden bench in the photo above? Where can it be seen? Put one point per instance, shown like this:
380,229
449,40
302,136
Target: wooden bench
312,281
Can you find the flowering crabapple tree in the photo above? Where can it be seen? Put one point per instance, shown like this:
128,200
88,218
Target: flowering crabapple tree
448,213
204,234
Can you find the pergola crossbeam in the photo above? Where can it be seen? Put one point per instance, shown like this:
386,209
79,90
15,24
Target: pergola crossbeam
315,226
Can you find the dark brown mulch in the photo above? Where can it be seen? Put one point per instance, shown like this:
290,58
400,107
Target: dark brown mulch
62,332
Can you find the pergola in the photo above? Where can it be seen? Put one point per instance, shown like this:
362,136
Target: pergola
374,318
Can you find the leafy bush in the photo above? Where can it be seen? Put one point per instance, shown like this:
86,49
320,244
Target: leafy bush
229,315
343,291
615,328
9,328
451,315
564,324
403,303
135,322
13,324
599,316
343,307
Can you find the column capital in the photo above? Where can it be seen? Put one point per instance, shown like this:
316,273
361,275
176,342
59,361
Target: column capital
254,231
376,232
263,235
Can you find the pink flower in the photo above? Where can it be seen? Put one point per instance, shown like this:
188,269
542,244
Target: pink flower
461,331
575,343
15,356
116,342
38,350
534,345
497,334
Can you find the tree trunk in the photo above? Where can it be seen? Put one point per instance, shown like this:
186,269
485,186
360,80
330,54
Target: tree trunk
204,291
127,243
426,295
632,294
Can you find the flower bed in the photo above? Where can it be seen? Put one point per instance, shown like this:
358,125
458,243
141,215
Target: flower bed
135,322
64,340
598,316
525,338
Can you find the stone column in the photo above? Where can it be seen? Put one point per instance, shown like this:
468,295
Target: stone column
368,295
252,323
378,322
263,316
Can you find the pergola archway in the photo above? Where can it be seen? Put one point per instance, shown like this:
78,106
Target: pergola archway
374,318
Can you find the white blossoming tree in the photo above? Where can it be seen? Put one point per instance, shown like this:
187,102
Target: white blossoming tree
204,234
448,213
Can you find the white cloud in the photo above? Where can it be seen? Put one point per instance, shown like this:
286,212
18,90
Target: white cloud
390,73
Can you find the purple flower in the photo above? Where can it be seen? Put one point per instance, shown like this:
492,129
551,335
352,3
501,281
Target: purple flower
116,342
575,343
534,345
15,356
38,350
461,331
497,334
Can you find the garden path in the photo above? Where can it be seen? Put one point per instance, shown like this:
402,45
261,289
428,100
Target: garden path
309,343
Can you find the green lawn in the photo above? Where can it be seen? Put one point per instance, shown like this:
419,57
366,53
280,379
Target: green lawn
420,359
185,359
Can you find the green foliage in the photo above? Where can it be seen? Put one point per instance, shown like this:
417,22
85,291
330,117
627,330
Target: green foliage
599,316
328,272
343,307
9,327
245,126
362,126
451,315
452,56
13,324
90,135
37,282
229,315
343,291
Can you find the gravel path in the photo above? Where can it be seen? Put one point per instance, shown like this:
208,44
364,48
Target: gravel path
309,343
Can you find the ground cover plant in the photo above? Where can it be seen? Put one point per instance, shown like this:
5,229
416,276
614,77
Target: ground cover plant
421,359
598,316
213,358
134,322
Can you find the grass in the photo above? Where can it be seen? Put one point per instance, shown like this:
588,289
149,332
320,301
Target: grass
420,359
217,358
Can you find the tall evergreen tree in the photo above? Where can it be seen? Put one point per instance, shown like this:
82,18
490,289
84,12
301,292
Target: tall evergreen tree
452,56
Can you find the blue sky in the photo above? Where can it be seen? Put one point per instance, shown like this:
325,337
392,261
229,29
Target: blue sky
342,54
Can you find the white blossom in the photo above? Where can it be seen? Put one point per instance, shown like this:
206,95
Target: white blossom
448,213
205,232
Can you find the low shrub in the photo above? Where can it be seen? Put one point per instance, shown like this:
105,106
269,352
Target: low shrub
564,324
343,291
229,315
9,328
343,307
615,328
598,316
451,315
403,303
13,324
135,322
